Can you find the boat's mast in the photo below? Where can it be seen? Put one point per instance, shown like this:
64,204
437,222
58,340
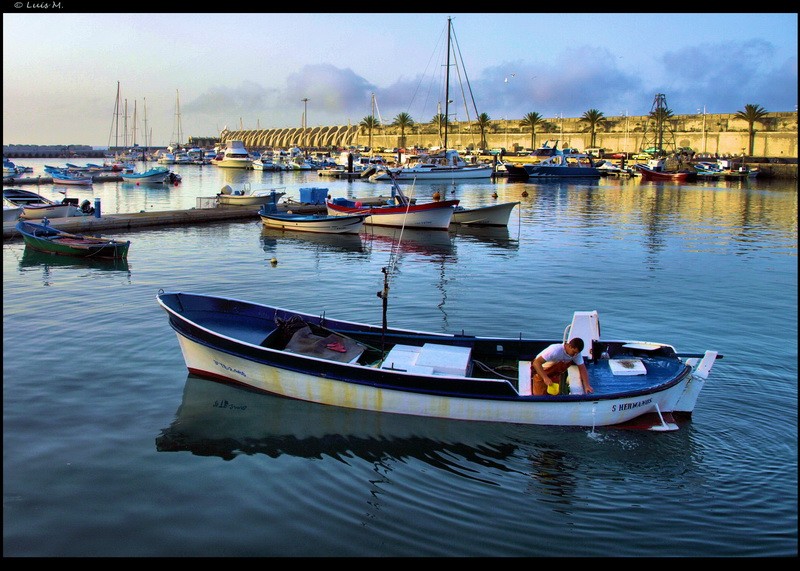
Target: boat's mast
144,154
116,120
447,86
135,120
177,128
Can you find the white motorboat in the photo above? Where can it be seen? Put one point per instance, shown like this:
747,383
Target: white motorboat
447,165
247,196
235,156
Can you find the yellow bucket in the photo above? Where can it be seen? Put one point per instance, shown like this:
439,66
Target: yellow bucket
553,389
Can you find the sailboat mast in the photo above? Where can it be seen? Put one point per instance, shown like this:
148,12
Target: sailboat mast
146,150
135,120
126,123
447,86
115,122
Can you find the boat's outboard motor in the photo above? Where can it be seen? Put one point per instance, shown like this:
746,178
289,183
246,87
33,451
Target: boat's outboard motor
86,207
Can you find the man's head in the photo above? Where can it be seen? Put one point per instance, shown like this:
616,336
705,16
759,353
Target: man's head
574,346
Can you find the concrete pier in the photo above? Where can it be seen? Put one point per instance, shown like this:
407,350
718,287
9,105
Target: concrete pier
25,180
125,222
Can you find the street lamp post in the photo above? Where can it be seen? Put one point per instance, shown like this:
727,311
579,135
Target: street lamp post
305,121
625,114
704,129
561,128
511,76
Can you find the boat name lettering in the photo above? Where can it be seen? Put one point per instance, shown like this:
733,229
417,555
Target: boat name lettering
630,405
226,404
227,368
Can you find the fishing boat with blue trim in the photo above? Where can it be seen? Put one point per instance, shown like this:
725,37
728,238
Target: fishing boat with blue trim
460,376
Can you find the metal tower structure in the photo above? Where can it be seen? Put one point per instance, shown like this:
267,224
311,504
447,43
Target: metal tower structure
659,134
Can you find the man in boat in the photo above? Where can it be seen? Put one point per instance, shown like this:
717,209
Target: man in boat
551,363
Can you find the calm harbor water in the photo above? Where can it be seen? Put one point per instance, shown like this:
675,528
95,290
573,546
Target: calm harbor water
111,449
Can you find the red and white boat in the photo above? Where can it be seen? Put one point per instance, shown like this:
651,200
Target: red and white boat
400,211
654,175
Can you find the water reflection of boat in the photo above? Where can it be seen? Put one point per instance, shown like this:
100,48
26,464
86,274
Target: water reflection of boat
216,419
490,235
271,237
33,258
409,240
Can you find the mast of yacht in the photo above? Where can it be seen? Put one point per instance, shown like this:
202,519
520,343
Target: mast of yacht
115,122
146,149
125,130
178,119
135,120
447,86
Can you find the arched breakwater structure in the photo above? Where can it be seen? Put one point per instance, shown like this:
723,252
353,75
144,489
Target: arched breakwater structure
314,137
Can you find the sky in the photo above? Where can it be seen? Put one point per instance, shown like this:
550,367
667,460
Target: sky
200,73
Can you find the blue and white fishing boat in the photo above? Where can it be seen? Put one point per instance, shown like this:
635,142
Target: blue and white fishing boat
157,175
460,377
71,178
316,223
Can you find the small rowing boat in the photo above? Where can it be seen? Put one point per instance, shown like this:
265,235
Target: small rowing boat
45,238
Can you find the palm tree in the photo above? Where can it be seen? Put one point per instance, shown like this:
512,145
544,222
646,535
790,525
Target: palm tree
403,120
594,118
531,120
439,120
370,122
483,121
751,114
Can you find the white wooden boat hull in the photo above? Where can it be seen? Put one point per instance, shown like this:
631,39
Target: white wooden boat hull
319,225
492,215
243,200
435,217
438,173
157,176
249,198
50,211
209,362
73,181
235,164
11,213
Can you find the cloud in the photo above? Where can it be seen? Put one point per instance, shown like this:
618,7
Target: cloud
722,76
